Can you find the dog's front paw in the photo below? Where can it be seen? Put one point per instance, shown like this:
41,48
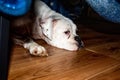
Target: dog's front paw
35,49
38,50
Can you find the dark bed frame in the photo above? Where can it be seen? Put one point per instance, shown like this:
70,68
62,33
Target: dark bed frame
4,48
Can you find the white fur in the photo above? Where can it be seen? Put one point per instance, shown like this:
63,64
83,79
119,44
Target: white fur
54,30
51,26
35,49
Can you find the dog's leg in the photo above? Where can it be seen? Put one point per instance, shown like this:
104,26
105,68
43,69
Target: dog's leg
35,49
21,33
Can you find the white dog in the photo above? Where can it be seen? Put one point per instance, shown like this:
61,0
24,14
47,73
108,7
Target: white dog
54,28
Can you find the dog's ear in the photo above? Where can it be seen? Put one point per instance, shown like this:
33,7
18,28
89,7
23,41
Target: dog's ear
46,26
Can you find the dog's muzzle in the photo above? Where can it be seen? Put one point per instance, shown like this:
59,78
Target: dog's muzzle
80,42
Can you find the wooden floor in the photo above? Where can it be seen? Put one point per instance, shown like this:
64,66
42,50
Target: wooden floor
99,60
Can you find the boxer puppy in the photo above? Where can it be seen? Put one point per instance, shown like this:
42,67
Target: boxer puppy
48,25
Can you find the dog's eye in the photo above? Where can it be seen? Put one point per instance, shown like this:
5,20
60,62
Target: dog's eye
67,32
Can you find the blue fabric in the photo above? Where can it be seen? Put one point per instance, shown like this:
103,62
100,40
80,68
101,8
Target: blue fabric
109,9
15,7
55,5
20,7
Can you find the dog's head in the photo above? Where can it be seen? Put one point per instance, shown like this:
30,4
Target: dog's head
61,33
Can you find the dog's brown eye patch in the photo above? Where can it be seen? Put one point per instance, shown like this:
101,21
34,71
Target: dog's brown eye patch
67,32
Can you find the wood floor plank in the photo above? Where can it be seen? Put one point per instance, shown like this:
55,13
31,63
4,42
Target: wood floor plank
61,65
111,49
105,44
113,75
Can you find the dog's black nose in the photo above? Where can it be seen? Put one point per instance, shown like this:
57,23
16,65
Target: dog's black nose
80,42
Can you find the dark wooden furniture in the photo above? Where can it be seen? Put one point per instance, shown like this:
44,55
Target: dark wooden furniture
4,53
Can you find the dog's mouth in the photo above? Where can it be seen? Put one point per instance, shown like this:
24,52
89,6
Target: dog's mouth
80,44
